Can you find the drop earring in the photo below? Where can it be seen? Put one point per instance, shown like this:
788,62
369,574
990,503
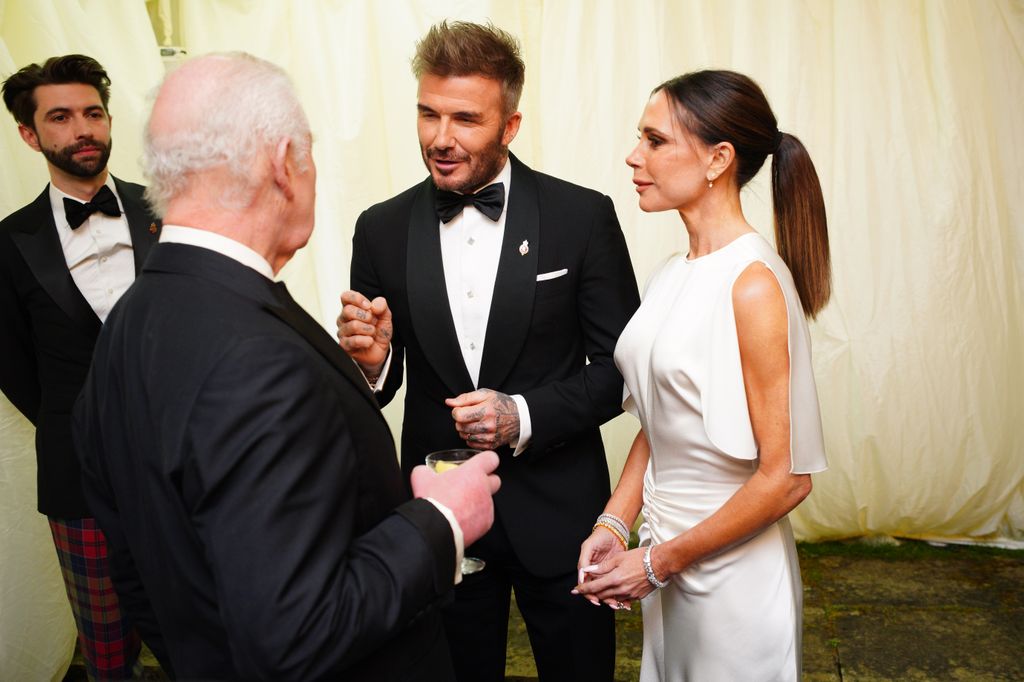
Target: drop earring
711,183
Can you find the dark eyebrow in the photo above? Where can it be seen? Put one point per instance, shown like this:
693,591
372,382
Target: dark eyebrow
461,115
67,110
653,131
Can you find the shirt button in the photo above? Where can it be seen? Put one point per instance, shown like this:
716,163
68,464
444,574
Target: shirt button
471,241
110,291
472,345
103,260
470,294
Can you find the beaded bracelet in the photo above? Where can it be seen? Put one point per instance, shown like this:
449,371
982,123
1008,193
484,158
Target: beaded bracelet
651,578
619,524
614,531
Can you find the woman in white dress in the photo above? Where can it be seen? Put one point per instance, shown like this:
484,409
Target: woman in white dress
717,367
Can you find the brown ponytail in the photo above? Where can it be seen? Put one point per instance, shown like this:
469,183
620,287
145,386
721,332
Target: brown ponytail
725,106
801,230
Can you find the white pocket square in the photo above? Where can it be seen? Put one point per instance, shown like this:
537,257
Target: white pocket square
552,275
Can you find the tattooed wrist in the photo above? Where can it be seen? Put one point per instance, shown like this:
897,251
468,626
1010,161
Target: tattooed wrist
506,415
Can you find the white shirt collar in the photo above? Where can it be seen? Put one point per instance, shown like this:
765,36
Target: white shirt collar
204,239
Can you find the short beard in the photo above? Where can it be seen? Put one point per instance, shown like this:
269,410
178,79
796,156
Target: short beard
64,158
491,159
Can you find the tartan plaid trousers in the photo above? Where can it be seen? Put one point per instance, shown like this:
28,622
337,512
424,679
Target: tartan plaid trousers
107,643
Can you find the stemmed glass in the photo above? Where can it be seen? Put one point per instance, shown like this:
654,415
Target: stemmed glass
442,461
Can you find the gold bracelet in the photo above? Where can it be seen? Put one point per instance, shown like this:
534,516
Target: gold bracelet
608,527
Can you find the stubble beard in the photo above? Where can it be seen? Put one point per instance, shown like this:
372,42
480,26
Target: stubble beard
484,167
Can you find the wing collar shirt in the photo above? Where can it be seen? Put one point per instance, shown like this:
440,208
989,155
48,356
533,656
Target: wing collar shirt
99,253
179,234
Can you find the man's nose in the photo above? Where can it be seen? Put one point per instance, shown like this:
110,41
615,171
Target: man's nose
82,127
444,135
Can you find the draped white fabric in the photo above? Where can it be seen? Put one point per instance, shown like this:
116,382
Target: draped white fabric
909,109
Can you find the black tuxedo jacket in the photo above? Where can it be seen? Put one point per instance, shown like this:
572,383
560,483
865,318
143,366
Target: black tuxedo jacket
539,338
47,333
249,488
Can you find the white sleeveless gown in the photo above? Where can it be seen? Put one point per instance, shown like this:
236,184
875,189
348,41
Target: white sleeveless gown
737,615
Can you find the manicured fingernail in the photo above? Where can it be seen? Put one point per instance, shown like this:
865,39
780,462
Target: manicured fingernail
575,591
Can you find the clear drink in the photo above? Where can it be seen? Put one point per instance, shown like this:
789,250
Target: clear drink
440,462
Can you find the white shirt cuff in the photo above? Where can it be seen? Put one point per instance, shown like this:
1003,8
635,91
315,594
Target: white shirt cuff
456,533
525,427
379,384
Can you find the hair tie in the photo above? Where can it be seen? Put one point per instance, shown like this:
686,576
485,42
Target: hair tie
778,140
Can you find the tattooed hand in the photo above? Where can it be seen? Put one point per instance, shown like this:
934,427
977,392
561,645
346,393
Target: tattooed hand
365,330
485,419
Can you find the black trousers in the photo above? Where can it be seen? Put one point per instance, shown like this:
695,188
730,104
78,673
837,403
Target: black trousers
571,638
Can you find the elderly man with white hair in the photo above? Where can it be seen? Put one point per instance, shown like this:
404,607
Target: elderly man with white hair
234,455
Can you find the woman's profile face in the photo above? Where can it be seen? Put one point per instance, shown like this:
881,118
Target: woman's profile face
669,163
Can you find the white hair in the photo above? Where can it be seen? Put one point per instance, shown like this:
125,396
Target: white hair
251,101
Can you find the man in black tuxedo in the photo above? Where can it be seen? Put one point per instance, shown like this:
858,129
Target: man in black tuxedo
496,308
259,524
65,259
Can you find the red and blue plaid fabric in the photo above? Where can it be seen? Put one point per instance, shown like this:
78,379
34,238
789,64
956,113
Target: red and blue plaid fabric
107,643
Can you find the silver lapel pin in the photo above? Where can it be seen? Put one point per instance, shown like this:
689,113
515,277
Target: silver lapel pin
524,248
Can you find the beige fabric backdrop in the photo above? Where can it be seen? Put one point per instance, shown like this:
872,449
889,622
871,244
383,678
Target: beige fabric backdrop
36,629
910,111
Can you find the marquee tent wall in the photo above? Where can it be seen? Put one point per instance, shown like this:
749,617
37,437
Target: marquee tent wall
910,109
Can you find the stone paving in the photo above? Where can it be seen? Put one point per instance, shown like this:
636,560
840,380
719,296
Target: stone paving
871,613
874,613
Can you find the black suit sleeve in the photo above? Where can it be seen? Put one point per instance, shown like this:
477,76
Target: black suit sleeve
130,592
365,280
272,484
606,299
19,378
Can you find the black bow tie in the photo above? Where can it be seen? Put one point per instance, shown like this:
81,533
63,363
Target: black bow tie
77,213
489,201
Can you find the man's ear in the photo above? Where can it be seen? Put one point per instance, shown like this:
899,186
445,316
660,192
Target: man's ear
511,128
283,167
30,137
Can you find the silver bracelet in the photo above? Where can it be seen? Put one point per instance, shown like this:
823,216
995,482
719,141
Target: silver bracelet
651,578
615,521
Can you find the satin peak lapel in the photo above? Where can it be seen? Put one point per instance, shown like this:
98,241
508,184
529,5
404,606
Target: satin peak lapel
428,295
512,303
40,247
144,228
292,314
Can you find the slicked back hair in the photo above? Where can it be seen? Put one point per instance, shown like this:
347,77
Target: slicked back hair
462,48
725,106
19,89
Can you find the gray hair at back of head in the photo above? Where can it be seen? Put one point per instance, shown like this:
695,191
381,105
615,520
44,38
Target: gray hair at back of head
254,101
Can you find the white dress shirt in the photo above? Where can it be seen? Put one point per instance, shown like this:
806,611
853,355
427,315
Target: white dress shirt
237,251
99,253
470,251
